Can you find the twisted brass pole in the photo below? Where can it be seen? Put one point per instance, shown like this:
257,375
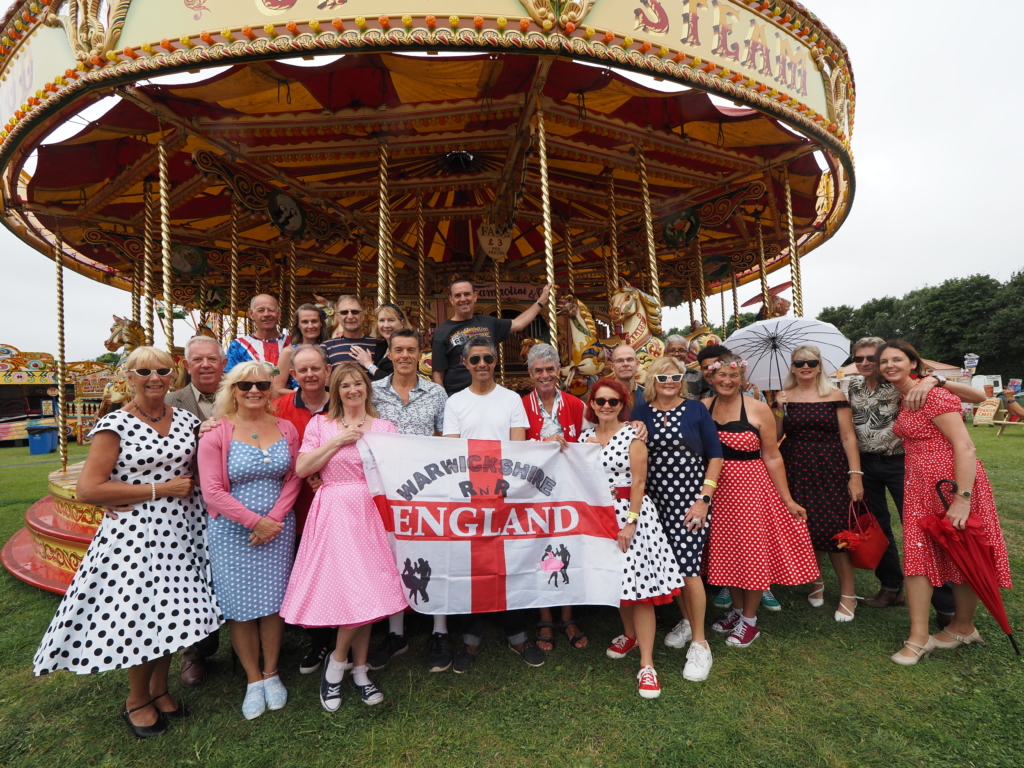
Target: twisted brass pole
762,266
290,283
421,269
250,327
725,318
201,303
735,303
359,278
652,257
136,291
497,309
147,263
232,328
794,254
165,246
613,237
700,283
549,248
689,300
62,420
571,280
385,266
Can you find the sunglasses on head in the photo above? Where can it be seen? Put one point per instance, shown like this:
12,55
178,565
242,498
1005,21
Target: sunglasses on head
802,363
603,401
665,378
475,359
347,312
863,359
147,372
245,386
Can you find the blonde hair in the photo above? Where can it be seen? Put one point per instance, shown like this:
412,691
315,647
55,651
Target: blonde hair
396,313
825,387
661,365
148,357
340,372
224,404
868,341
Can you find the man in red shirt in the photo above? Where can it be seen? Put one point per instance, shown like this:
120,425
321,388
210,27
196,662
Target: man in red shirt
311,370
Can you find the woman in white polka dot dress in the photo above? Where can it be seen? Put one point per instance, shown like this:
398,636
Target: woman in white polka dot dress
143,590
651,575
246,469
345,574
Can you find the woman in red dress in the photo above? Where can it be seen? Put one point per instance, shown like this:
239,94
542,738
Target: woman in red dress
760,534
938,447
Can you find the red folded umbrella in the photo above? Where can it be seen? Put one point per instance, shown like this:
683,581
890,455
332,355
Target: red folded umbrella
972,556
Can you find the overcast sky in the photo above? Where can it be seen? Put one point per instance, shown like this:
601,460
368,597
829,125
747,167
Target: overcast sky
938,146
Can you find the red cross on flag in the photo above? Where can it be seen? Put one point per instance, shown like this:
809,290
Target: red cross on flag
488,525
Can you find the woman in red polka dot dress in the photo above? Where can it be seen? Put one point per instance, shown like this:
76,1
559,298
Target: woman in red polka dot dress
938,447
760,534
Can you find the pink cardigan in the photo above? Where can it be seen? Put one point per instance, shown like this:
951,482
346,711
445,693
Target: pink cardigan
216,487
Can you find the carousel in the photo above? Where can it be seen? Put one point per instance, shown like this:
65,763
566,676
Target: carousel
196,153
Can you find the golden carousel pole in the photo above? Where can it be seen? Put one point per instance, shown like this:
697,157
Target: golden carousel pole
689,300
700,282
359,278
725,318
290,285
549,248
136,293
421,272
233,296
794,254
147,264
652,257
735,303
613,238
497,308
385,266
763,268
571,280
165,246
62,420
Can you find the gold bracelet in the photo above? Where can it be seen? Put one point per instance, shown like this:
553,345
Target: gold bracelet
712,483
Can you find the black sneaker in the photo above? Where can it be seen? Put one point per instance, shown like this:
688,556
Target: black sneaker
330,693
313,659
393,645
464,659
530,653
440,657
370,694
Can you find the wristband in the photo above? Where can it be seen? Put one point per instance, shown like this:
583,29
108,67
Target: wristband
540,304
631,518
780,414
855,472
712,483
152,497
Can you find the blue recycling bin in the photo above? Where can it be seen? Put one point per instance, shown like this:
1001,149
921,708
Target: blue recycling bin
55,440
41,440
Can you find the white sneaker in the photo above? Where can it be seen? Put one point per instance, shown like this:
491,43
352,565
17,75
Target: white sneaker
698,663
680,635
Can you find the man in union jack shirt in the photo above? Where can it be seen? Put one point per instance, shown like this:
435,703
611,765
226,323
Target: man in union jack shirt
266,343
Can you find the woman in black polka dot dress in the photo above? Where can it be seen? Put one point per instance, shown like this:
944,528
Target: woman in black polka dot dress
143,589
684,464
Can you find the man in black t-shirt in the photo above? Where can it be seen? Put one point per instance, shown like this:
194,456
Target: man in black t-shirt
448,370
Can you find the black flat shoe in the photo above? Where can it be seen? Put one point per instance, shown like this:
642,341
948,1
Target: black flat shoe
144,731
178,714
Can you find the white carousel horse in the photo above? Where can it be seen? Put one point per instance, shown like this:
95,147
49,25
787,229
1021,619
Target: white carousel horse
128,334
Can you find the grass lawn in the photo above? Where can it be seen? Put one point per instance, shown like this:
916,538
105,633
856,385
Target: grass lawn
810,692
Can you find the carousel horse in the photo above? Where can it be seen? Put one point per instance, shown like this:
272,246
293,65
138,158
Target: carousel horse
125,335
638,318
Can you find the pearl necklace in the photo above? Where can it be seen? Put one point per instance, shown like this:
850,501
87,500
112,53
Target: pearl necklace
346,424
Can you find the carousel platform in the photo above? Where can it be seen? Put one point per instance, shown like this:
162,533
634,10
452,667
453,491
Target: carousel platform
58,529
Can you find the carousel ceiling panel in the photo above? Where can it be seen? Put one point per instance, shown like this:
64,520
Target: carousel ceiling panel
416,80
255,89
756,132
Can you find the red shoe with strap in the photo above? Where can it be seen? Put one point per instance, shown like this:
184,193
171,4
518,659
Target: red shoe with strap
620,646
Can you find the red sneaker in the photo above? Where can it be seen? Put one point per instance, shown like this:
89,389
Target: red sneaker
743,635
620,646
728,624
647,685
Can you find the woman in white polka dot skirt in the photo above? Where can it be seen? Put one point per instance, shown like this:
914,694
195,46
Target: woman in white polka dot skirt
651,574
685,460
760,535
345,574
143,590
246,471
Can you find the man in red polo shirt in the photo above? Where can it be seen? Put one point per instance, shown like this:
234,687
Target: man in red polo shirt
311,370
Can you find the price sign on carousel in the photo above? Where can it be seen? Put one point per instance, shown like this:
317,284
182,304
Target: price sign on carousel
495,242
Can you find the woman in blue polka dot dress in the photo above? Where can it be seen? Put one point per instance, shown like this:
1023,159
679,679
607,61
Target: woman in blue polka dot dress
247,474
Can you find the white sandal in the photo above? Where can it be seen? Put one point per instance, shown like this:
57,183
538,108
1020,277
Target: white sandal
819,589
843,613
919,651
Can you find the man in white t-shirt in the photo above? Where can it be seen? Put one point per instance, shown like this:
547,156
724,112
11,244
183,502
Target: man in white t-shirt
487,411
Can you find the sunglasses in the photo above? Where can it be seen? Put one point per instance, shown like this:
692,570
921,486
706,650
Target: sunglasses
147,372
603,401
347,312
863,359
245,386
475,359
665,378
802,363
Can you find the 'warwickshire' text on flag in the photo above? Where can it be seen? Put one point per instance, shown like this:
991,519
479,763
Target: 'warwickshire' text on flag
487,525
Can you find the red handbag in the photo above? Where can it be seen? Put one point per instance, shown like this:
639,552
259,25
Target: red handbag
864,539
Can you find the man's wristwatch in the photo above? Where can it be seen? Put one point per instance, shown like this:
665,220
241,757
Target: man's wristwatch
940,381
705,498
964,494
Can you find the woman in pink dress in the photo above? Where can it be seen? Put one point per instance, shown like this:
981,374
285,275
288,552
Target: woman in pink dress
344,574
938,447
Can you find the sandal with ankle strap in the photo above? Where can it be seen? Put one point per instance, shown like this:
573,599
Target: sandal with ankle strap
144,731
972,639
542,639
178,714
844,614
819,589
919,651
575,640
